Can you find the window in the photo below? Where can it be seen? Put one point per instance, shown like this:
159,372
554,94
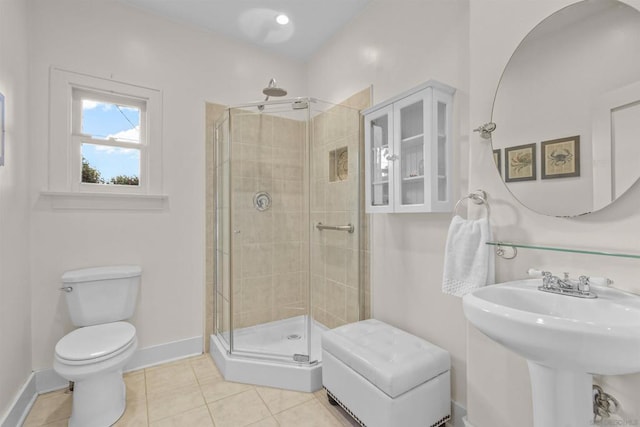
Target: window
105,136
110,134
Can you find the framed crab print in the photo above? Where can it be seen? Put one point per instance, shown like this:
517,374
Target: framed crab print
497,159
561,158
520,163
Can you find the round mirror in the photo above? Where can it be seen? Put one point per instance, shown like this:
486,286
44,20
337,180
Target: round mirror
567,110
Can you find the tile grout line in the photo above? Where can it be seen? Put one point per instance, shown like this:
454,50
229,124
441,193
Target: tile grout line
185,360
340,419
204,399
267,406
201,392
146,396
330,412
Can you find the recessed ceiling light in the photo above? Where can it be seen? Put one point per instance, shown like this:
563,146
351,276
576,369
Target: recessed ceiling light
282,19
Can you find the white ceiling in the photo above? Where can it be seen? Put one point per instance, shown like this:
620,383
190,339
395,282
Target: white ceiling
313,22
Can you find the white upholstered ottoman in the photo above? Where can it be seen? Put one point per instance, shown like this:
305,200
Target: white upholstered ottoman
386,377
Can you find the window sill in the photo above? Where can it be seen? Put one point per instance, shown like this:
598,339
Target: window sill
60,200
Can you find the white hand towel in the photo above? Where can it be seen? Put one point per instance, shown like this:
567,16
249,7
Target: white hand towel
468,261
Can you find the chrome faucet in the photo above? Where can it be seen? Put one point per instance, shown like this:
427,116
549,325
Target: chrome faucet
567,286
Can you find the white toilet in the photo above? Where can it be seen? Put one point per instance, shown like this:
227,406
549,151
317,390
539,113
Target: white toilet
94,355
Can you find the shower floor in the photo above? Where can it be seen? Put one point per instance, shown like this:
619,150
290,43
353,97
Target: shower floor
280,338
263,355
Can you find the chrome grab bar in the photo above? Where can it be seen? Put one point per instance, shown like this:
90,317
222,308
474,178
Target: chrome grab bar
348,228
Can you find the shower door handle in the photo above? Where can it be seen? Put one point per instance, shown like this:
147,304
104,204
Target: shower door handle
348,228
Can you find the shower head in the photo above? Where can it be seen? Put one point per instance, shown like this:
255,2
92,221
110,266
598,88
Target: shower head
273,90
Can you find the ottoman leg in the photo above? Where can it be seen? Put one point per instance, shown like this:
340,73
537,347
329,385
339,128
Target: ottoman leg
332,401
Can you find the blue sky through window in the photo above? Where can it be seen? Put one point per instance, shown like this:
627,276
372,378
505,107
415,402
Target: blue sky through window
112,161
106,120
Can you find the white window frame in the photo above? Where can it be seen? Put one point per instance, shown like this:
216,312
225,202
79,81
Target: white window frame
66,139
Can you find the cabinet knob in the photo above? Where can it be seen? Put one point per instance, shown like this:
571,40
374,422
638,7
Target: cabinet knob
392,157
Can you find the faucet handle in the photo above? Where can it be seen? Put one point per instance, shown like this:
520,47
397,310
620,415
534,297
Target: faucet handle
584,284
546,279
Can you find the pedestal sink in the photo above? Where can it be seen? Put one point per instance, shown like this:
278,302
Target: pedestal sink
564,339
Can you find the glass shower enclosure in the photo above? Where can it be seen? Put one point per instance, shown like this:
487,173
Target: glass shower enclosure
287,237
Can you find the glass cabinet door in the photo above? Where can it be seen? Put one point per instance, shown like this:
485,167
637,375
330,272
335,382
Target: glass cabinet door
411,133
408,145
378,134
442,151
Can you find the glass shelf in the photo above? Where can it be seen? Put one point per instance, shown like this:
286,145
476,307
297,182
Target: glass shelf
413,139
551,248
413,178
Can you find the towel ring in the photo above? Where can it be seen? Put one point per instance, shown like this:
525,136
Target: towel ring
479,197
500,251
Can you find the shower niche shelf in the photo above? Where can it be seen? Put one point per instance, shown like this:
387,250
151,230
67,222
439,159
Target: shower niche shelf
560,249
408,151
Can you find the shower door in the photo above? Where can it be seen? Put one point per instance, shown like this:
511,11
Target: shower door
269,232
285,169
222,241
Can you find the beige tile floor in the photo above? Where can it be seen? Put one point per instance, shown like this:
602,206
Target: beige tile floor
192,393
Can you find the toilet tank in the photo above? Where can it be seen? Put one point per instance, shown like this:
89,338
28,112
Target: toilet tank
102,294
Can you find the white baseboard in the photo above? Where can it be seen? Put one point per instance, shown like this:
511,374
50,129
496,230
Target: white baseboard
466,422
458,414
164,353
47,380
21,405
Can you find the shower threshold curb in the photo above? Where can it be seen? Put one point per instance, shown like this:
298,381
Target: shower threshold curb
297,377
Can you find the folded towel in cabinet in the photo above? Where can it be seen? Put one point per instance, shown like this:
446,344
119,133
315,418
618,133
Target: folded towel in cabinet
468,261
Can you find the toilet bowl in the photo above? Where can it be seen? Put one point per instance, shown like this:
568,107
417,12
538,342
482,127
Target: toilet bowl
94,355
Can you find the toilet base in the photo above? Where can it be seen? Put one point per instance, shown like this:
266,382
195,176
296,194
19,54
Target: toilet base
98,401
99,393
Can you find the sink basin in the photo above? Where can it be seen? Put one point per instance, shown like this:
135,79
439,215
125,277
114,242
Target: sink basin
564,339
598,336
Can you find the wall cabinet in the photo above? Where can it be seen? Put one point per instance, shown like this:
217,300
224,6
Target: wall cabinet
408,151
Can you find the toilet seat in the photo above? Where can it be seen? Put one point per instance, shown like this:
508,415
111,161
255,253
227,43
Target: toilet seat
93,344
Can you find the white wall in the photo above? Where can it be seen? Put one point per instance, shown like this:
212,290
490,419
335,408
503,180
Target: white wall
498,380
395,45
109,39
15,305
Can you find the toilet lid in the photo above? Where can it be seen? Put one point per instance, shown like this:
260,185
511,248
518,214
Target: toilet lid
96,341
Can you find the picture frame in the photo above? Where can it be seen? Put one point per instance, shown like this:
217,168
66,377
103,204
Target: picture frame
520,163
560,157
1,129
497,159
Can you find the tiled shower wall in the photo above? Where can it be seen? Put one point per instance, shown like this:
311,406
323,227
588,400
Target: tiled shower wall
271,250
269,247
339,260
